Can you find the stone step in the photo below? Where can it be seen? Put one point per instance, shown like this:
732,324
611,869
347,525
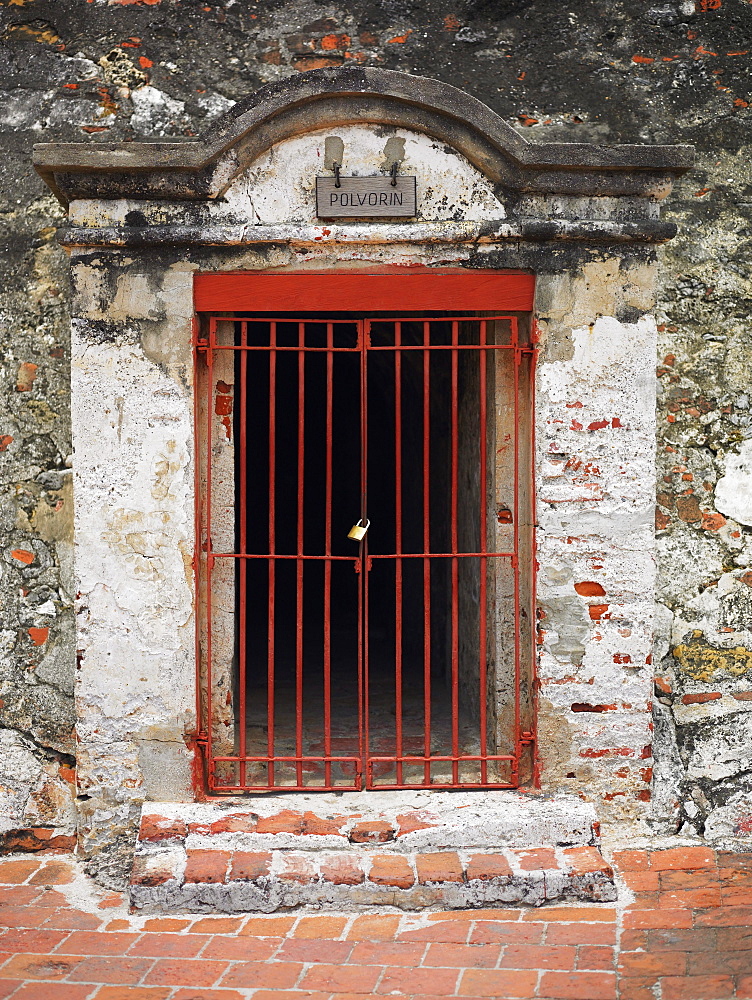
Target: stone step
462,852
407,821
171,877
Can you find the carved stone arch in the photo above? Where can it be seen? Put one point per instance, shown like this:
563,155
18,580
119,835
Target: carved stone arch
204,168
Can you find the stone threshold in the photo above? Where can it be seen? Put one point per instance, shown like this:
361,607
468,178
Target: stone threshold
411,851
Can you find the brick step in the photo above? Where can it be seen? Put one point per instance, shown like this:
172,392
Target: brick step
205,880
405,821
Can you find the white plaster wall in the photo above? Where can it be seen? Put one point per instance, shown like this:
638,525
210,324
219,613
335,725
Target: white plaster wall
132,427
280,187
596,427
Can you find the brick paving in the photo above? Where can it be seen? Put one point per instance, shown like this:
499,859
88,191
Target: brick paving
682,930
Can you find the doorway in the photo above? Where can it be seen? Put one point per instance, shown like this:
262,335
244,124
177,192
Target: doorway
395,660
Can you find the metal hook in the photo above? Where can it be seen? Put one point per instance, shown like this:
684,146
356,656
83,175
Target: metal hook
336,167
393,173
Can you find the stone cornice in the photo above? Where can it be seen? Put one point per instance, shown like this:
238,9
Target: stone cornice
204,168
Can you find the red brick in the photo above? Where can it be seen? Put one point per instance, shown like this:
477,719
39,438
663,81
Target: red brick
570,914
388,953
19,895
203,994
122,971
682,858
702,879
14,872
637,989
697,988
642,881
169,945
497,983
678,939
39,967
320,927
235,823
166,924
297,868
242,949
730,938
665,963
373,832
409,822
695,898
632,860
578,985
286,821
92,943
744,987
169,972
160,828
373,928
737,896
541,857
488,866
218,925
148,870
133,993
7,986
409,982
453,931
658,918
341,979
442,866
391,869
507,932
207,866
539,957
462,956
31,941
342,871
719,963
52,991
726,916
313,950
266,926
269,975
319,826
250,865
600,934
585,861
595,957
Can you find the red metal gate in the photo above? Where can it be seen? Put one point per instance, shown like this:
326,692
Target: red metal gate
402,660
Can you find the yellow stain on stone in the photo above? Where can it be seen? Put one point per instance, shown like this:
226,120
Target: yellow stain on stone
702,662
44,33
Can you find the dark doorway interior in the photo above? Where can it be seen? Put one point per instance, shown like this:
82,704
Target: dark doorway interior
352,656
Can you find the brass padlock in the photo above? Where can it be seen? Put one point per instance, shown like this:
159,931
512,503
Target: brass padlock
358,531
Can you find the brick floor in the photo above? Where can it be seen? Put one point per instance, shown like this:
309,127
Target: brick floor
682,930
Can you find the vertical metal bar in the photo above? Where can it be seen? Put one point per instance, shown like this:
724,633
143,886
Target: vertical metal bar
327,561
534,686
455,561
483,547
272,581
363,617
426,551
398,542
299,562
208,540
516,550
198,513
242,567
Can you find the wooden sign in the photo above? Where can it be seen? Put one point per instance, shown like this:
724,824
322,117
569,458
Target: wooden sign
371,197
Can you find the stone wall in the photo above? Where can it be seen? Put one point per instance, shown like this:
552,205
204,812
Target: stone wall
661,72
